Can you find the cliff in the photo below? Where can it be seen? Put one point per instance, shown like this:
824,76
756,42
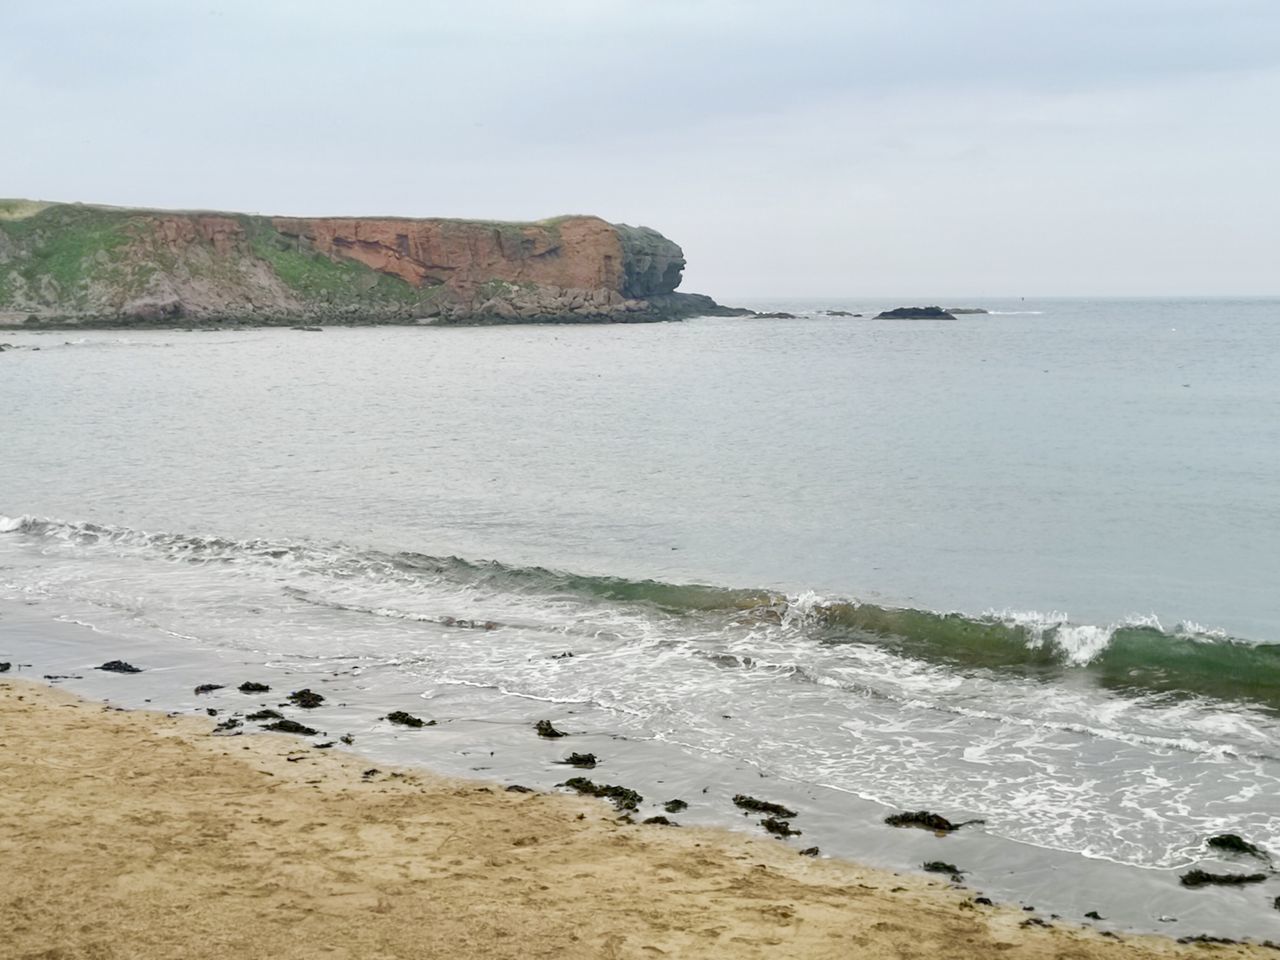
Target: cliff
75,264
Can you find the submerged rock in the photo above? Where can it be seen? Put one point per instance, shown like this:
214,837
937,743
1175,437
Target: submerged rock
960,311
1231,843
307,699
250,687
840,313
1202,878
292,726
208,688
545,729
775,316
408,719
915,313
926,821
763,806
624,798
119,666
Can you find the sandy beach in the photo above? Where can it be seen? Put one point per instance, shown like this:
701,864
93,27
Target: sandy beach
134,834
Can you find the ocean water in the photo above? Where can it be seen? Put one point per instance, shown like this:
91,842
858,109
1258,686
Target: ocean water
1021,566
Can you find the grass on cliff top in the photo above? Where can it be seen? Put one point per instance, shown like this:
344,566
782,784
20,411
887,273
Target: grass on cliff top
20,209
69,244
315,276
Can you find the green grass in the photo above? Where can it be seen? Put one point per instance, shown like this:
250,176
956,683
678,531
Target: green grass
69,244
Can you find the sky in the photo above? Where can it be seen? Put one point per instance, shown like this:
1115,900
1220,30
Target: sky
819,149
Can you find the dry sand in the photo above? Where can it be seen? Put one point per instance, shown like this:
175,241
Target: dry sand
135,835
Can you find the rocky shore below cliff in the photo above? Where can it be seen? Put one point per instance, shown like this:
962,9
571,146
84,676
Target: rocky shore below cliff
81,266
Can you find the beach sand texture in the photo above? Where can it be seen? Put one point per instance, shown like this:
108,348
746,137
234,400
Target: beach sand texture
133,834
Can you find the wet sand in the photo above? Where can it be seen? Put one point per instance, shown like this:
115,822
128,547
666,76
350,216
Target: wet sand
134,834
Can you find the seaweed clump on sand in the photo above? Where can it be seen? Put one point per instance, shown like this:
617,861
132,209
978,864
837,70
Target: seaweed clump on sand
779,828
1202,878
119,666
250,686
208,688
585,760
291,726
1233,843
545,729
941,866
265,715
624,798
926,821
763,806
408,719
307,699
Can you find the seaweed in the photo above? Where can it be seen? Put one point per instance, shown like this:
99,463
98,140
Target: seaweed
1232,843
1205,938
408,719
779,828
307,699
1202,878
519,788
545,729
291,726
926,821
228,724
585,760
661,821
985,901
810,852
941,866
675,806
265,715
1094,915
250,686
763,806
208,688
624,798
119,666
348,739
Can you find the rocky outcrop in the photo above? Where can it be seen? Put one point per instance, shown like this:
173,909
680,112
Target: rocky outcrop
915,313
77,264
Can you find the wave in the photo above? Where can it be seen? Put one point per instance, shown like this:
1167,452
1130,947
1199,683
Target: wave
1136,655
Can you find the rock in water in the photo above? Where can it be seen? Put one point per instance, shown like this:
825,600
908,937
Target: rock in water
545,729
307,699
763,806
250,687
119,666
408,719
1202,878
915,313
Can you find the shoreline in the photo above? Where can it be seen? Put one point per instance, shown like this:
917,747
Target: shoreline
139,831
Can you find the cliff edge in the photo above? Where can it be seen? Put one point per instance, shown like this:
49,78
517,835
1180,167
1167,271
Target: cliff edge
84,265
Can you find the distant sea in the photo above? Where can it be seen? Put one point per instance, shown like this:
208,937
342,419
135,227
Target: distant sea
1022,566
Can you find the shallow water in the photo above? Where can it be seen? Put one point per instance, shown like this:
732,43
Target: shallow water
1093,485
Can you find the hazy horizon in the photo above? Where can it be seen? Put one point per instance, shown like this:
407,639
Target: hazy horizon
825,150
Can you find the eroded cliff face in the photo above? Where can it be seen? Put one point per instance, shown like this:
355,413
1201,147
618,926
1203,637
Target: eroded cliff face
79,263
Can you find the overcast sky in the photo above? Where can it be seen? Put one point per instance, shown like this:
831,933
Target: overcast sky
864,147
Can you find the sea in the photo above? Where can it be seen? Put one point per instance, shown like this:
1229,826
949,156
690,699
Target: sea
1021,567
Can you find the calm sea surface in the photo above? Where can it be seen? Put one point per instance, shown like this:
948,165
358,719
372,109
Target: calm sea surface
1022,566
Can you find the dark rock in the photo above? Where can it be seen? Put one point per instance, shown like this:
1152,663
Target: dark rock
763,806
119,666
675,806
623,798
775,316
4,667
323,746
211,711
308,329
292,726
545,729
250,687
562,656
810,852
941,866
408,719
519,788
661,821
228,724
371,772
779,828
208,688
1205,938
265,715
307,699
915,313
1202,878
348,739
985,901
926,821
1231,843
1094,915
1035,922
585,760
840,313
